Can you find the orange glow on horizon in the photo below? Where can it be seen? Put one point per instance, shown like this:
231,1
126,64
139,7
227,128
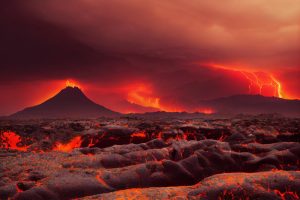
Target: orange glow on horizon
55,87
207,111
143,95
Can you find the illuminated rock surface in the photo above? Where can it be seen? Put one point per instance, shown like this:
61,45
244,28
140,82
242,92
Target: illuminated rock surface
240,158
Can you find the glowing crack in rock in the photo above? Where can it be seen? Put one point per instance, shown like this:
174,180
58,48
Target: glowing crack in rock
67,147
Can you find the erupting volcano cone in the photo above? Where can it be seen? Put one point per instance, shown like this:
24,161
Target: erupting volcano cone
68,103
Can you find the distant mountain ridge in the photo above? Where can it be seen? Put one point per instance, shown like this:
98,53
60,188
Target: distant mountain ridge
70,102
254,104
234,105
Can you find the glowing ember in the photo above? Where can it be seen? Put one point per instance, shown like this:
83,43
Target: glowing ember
11,140
139,134
74,143
159,135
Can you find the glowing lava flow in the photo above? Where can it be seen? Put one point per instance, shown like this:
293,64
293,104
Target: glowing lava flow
141,134
141,96
74,143
10,140
260,82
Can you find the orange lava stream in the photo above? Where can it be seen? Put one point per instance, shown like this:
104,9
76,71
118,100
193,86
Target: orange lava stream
11,140
142,95
141,134
68,147
101,181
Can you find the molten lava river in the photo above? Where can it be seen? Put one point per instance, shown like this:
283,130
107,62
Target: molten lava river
252,157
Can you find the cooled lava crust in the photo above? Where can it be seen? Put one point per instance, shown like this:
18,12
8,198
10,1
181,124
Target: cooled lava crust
247,157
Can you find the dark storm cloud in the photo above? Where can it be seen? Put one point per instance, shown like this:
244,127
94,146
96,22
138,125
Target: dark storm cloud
32,48
248,32
165,44
98,35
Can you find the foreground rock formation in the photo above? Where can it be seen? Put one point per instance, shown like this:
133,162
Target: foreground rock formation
240,158
260,185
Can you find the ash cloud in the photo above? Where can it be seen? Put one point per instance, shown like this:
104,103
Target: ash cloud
109,44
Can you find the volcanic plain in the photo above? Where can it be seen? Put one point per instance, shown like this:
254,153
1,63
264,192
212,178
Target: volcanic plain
242,157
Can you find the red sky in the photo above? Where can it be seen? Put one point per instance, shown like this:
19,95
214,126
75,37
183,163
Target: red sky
164,54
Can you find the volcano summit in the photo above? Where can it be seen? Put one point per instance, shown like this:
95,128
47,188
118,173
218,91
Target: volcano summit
70,102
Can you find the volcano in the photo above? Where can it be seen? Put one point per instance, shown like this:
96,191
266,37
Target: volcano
70,102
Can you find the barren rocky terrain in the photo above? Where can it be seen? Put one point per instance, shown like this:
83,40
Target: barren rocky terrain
245,157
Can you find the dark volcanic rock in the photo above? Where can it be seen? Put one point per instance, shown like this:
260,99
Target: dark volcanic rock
180,163
68,103
263,185
101,156
233,186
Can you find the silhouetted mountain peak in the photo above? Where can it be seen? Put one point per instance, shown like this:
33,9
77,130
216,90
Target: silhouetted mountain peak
75,91
71,89
70,102
70,93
